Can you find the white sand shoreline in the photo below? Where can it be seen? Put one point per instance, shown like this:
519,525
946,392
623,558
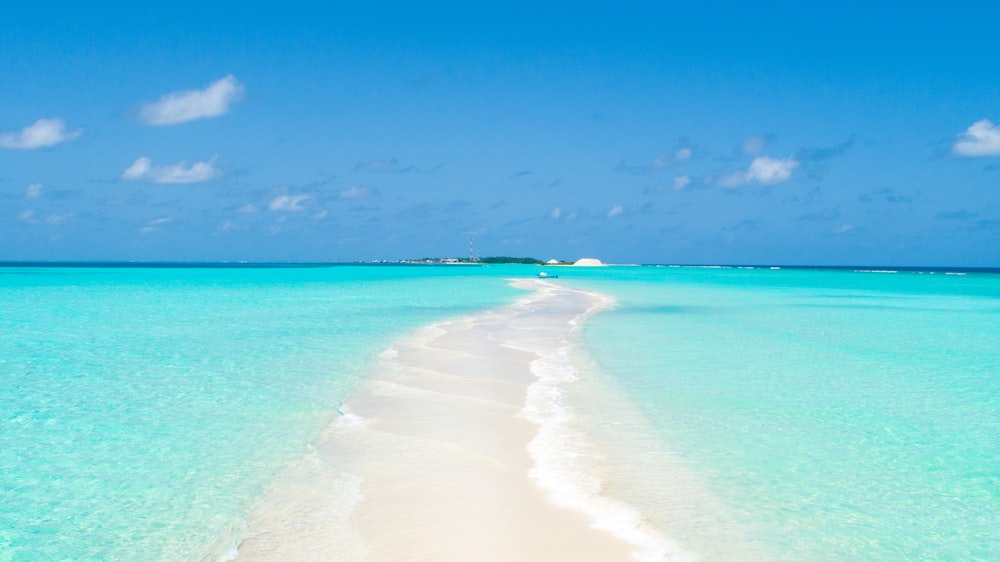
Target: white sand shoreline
456,447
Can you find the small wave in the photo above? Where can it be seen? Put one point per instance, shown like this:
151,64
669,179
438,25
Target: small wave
350,420
564,463
708,266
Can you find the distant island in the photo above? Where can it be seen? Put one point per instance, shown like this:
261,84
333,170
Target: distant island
493,260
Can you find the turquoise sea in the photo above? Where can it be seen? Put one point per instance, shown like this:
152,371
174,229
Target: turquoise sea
830,414
806,414
144,409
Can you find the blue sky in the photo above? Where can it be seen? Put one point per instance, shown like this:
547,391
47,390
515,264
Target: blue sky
715,132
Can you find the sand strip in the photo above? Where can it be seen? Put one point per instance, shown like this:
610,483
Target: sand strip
454,449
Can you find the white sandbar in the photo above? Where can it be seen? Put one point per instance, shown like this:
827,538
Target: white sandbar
454,448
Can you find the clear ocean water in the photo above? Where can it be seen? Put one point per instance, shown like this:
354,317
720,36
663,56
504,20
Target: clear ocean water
144,409
832,415
806,414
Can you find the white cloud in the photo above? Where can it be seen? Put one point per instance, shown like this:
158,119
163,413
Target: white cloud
291,203
27,215
42,133
227,226
682,154
764,170
615,211
188,105
843,229
34,191
144,170
680,182
321,215
982,138
152,225
248,208
753,145
555,214
771,170
355,192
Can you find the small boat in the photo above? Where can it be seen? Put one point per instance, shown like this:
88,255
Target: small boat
544,275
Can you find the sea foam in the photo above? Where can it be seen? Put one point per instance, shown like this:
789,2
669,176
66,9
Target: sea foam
567,463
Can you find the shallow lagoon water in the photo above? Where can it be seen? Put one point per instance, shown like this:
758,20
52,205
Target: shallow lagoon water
797,414
834,414
145,408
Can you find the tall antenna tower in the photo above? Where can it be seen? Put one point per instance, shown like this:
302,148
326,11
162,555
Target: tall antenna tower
471,256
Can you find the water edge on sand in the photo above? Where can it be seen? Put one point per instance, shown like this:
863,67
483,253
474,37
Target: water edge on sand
460,445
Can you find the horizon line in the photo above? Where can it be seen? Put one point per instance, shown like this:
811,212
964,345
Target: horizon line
245,264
